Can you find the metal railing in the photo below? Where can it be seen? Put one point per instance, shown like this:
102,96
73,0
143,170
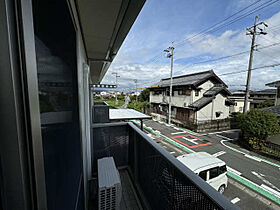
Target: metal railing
160,179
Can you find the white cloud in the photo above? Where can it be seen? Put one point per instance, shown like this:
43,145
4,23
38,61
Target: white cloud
229,42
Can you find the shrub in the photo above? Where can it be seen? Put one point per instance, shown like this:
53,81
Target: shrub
145,95
259,125
266,103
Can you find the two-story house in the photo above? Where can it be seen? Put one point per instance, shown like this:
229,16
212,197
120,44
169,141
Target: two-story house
196,98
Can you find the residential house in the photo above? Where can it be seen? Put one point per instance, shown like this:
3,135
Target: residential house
260,96
51,53
196,97
255,98
238,97
277,91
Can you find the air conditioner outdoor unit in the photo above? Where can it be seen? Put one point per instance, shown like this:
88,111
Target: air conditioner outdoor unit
109,185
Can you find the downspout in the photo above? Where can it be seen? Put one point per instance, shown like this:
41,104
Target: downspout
212,113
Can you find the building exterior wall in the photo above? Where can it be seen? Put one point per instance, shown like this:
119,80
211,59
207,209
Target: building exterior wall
83,76
239,105
204,87
181,100
155,98
209,111
205,113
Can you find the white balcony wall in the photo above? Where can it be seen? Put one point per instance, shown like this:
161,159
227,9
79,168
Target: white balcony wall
156,98
180,100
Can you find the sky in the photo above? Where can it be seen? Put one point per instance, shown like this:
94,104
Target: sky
162,22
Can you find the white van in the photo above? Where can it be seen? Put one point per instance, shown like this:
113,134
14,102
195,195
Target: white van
209,168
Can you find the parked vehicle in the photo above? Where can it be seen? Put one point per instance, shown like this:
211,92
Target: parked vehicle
209,168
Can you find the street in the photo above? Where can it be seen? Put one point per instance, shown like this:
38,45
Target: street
254,182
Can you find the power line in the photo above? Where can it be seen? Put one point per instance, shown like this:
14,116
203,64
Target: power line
207,29
216,24
217,59
260,7
241,71
229,56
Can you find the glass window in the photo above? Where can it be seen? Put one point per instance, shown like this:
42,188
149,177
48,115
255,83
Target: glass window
203,175
214,172
55,42
222,169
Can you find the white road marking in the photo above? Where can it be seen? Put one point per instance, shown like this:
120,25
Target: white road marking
261,177
218,154
172,152
176,143
224,137
164,146
178,132
234,171
236,150
235,200
253,158
191,140
272,191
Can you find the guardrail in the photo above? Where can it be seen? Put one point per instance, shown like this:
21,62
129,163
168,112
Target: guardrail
160,179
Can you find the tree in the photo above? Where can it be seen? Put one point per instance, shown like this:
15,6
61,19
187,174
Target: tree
259,125
266,103
145,95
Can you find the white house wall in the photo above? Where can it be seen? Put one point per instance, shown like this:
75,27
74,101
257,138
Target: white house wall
239,105
204,87
205,113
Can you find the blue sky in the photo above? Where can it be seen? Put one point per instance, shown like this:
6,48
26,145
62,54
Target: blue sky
162,21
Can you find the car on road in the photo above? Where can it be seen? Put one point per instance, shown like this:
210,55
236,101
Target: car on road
209,168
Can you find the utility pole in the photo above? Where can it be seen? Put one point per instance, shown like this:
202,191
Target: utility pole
116,96
136,90
254,30
170,54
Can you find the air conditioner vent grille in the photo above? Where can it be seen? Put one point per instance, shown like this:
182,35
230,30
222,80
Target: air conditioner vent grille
109,185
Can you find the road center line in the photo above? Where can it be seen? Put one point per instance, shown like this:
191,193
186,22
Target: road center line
235,200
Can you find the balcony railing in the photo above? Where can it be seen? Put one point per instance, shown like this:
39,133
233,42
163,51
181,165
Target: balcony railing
100,112
162,182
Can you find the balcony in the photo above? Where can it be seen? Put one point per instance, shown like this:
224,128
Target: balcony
158,180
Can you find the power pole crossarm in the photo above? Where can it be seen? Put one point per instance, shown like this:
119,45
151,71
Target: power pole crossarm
254,30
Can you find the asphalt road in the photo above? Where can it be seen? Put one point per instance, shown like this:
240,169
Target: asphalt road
250,175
